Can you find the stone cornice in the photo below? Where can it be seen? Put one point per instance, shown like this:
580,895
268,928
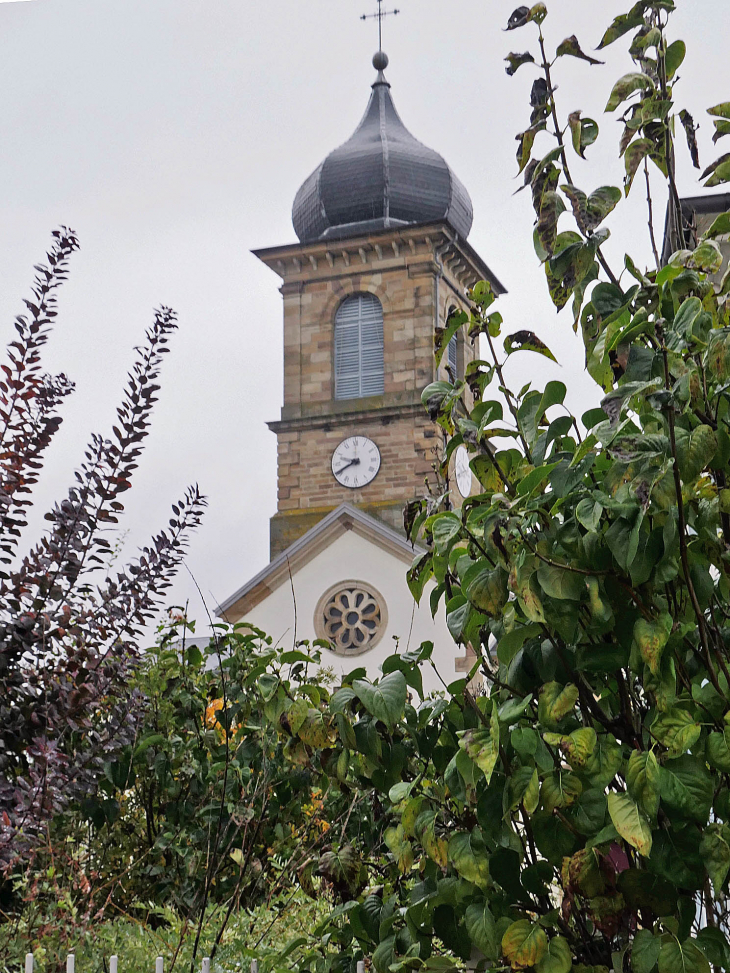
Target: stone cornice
427,247
330,420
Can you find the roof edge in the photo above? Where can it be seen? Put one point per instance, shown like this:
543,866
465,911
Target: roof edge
342,518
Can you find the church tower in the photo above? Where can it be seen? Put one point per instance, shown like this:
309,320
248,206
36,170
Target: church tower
382,257
381,260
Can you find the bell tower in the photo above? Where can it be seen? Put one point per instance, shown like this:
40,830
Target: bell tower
382,257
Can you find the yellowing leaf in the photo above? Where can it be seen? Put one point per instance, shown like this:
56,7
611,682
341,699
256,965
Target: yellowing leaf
642,778
400,848
677,730
651,637
556,702
630,823
483,745
626,86
524,944
468,854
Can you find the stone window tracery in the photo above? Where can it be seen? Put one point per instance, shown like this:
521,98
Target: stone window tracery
352,617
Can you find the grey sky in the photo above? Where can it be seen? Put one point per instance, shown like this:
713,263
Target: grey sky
173,135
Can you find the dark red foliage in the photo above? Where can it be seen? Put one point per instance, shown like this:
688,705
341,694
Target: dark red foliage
68,624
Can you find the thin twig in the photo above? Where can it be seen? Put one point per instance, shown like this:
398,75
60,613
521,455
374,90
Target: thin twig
651,214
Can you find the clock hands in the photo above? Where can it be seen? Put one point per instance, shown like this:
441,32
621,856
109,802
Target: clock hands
353,462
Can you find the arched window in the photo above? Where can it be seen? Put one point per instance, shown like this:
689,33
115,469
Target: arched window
359,347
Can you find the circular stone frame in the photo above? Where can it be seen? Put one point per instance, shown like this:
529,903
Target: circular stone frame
347,588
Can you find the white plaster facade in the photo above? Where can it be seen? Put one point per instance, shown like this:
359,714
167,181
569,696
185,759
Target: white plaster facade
347,544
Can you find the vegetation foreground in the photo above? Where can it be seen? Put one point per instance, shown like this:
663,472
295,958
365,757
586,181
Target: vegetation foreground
572,814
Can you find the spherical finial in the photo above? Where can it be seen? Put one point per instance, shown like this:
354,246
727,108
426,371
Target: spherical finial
380,61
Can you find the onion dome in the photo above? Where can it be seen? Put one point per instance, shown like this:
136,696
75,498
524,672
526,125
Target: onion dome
381,178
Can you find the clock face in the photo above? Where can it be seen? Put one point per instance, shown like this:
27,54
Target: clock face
463,472
356,462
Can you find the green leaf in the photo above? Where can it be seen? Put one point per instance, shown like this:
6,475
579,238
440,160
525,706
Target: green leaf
384,955
695,450
630,822
719,227
516,61
714,945
446,528
571,47
557,959
486,587
482,930
511,643
717,750
605,761
651,637
458,611
524,944
642,890
686,957
534,479
624,23
527,341
677,730
386,700
722,110
633,157
588,814
645,951
561,583
588,513
719,172
706,257
591,211
483,745
584,132
400,848
518,18
552,837
674,56
622,539
560,789
419,573
686,788
468,854
268,684
626,86
555,703
642,778
715,852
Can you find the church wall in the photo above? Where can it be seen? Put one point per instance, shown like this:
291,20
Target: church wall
351,556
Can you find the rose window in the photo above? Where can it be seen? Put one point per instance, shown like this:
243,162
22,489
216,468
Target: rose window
351,618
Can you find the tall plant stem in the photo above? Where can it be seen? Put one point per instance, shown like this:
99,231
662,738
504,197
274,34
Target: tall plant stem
510,403
650,207
699,614
559,136
675,209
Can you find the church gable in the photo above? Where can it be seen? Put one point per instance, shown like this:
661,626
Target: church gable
344,582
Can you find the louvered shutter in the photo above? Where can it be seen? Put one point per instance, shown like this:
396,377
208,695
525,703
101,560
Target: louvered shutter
359,347
452,357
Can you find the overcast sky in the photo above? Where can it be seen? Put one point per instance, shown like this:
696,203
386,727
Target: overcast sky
172,135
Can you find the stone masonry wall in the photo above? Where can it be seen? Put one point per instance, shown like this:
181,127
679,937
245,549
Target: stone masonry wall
409,282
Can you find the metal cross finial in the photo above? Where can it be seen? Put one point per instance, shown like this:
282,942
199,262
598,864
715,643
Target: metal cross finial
379,16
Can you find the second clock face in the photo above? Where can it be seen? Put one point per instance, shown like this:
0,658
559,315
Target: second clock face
356,462
463,471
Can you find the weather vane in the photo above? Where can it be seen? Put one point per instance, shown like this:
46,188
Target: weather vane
380,15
